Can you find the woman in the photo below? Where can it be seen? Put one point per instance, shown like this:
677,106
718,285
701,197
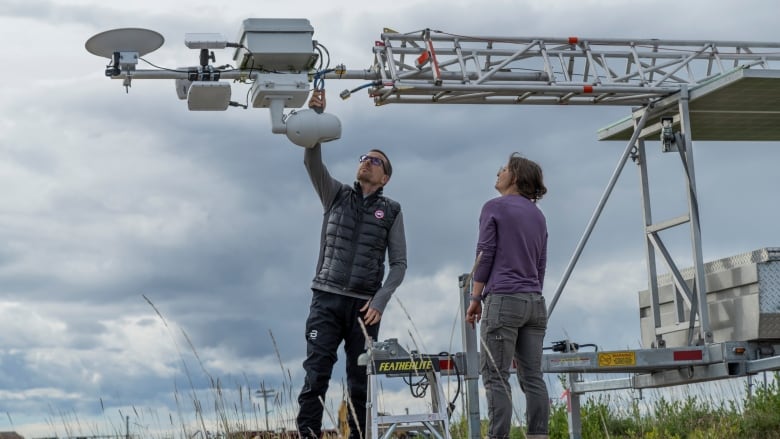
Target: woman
508,278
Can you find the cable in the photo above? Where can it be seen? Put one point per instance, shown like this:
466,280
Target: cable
318,83
163,68
347,93
566,346
319,79
451,405
319,67
418,389
321,48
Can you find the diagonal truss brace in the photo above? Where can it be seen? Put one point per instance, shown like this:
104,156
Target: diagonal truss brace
695,297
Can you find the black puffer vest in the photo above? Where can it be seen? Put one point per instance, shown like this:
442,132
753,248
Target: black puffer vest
354,242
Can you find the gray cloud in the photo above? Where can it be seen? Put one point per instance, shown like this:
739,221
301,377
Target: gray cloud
112,196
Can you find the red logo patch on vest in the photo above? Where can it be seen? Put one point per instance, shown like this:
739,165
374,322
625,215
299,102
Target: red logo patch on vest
379,214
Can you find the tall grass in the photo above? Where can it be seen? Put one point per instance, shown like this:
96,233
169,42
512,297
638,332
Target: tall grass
757,415
230,411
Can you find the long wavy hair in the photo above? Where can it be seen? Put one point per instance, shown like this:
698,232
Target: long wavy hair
527,176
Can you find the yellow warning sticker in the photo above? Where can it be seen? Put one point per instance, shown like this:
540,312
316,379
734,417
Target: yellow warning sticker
613,359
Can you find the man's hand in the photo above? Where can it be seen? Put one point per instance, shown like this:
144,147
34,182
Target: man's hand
372,316
474,313
317,100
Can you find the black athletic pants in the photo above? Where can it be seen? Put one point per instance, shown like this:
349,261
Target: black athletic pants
333,318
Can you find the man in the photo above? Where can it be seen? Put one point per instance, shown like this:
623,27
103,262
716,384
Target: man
359,228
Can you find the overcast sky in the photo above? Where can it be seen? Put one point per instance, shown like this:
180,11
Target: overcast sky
150,253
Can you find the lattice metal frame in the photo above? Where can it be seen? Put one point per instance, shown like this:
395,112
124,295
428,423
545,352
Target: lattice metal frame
431,66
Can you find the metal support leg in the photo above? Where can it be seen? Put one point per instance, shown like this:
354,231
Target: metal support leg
597,213
573,408
371,398
644,183
705,333
471,349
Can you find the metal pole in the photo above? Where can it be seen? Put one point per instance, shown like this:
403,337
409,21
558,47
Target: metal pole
597,212
471,349
705,333
265,394
652,280
573,406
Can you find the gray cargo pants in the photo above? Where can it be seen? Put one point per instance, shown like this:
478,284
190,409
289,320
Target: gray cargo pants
513,326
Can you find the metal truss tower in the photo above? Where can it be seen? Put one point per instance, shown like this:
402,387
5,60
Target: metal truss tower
436,67
685,89
678,91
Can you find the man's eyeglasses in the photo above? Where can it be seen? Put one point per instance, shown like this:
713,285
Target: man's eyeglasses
376,161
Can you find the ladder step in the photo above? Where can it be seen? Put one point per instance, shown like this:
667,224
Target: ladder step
422,417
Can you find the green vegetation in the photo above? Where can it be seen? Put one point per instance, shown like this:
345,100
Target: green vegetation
690,417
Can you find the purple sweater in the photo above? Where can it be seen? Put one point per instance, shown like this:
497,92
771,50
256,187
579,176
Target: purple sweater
513,242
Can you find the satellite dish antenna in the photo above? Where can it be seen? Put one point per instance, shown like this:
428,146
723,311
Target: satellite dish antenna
138,40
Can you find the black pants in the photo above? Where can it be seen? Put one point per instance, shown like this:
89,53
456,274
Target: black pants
333,318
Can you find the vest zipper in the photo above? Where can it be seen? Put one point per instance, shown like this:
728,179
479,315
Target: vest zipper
355,234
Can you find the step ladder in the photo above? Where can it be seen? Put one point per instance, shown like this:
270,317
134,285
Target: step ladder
388,358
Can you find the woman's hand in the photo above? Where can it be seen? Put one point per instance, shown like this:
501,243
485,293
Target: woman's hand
474,313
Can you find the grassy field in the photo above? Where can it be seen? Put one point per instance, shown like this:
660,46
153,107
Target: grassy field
756,416
231,411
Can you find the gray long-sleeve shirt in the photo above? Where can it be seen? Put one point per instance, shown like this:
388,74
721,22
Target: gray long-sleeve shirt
327,189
